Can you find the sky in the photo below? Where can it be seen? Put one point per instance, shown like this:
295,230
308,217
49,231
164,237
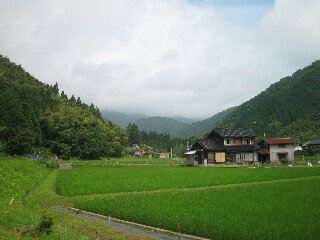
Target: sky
191,58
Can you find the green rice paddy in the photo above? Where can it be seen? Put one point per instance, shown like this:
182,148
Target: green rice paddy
216,203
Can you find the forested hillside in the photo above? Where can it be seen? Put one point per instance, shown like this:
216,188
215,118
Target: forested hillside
199,128
160,125
35,117
286,107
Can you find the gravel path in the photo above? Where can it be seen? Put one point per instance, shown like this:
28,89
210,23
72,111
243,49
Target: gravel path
120,226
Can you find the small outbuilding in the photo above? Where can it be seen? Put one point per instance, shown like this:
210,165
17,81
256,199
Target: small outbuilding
276,149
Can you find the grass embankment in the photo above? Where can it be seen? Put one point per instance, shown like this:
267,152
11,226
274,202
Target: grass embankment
274,203
26,194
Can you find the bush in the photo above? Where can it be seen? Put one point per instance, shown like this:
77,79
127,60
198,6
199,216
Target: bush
45,225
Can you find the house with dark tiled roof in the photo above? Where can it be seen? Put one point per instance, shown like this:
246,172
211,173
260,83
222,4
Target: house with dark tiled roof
223,145
312,144
276,149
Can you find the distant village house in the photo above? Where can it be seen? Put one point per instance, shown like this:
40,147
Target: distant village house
164,155
231,146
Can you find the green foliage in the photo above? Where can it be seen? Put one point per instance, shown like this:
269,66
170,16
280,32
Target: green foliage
33,116
18,177
45,225
162,142
134,136
304,129
283,103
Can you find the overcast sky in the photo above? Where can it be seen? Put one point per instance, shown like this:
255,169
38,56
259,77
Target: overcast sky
189,58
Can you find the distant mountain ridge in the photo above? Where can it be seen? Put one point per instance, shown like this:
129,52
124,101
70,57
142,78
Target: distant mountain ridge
200,128
186,120
121,119
160,124
175,126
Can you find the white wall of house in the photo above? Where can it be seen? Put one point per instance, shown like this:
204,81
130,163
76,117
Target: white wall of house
275,150
255,155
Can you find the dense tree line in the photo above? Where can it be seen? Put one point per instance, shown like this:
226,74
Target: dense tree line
35,117
163,142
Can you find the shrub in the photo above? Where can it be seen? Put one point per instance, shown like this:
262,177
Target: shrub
45,225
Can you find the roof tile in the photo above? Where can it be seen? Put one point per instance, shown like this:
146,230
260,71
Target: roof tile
275,141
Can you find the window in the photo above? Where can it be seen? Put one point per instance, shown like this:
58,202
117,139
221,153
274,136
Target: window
282,156
228,141
246,141
282,146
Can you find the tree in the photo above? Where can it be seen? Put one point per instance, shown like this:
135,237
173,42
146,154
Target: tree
133,132
56,88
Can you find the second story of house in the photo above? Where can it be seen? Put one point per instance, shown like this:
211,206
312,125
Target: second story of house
233,137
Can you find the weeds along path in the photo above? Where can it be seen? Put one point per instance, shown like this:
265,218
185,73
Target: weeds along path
185,190
44,194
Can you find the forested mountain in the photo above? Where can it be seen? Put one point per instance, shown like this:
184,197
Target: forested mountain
186,120
181,129
199,128
121,119
160,125
178,126
35,117
304,129
288,108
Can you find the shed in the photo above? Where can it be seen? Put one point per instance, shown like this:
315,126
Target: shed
277,149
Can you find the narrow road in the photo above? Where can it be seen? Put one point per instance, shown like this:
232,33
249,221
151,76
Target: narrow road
121,226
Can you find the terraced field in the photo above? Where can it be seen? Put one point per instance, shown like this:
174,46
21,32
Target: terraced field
223,203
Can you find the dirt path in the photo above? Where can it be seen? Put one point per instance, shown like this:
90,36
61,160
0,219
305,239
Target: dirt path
124,227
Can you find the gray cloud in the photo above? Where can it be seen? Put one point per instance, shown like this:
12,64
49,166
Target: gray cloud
160,57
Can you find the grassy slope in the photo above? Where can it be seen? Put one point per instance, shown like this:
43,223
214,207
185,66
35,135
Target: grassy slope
32,186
